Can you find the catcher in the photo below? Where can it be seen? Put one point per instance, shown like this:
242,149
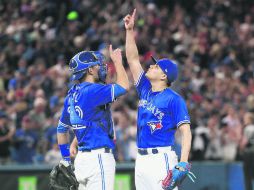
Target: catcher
87,111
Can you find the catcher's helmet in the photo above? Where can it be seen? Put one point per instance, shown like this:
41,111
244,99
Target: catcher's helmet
84,60
168,67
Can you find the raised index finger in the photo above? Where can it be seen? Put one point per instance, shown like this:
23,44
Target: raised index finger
134,13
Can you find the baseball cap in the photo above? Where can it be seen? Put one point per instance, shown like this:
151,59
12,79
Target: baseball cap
168,67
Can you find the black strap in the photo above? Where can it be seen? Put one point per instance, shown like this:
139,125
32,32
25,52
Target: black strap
106,150
145,152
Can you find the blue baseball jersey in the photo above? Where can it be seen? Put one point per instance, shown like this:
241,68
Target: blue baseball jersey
87,111
159,115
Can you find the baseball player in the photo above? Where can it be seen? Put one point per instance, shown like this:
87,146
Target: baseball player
86,111
161,112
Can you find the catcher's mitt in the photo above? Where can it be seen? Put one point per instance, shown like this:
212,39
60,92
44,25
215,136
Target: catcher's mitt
177,175
63,178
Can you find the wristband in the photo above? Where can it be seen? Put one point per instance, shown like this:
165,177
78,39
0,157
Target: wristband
65,151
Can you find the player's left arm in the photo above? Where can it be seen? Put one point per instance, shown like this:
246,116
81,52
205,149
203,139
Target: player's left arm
182,169
63,132
186,141
182,122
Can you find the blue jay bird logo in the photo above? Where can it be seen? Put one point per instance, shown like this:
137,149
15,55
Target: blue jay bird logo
155,125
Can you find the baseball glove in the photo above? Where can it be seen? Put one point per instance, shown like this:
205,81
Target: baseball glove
177,175
62,177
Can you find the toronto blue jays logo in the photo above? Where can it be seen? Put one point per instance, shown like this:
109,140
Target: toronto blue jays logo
151,108
155,125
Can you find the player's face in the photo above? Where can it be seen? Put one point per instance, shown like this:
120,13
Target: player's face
154,73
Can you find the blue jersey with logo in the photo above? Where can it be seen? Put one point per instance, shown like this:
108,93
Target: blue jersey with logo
87,111
159,115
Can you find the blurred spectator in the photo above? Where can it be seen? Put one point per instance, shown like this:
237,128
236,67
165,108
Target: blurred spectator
130,140
19,108
247,146
200,142
18,81
56,99
50,134
231,134
6,134
214,148
230,142
53,156
121,125
60,71
248,131
232,119
25,141
37,114
250,102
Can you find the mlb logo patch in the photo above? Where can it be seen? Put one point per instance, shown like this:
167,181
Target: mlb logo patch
155,125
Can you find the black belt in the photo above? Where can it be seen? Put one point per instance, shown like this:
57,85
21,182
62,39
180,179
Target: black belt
106,150
145,152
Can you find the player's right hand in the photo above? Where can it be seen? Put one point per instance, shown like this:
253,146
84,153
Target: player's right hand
129,21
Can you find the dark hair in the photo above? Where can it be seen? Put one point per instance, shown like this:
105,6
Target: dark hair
168,83
83,77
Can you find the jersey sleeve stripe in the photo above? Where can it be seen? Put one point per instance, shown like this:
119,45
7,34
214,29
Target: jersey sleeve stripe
81,127
139,78
182,122
64,125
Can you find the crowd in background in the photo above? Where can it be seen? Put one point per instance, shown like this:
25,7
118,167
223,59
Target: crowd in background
212,42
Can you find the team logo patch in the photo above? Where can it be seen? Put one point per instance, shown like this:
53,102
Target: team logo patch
155,125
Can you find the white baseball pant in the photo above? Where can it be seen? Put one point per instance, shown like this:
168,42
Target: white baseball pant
95,170
151,169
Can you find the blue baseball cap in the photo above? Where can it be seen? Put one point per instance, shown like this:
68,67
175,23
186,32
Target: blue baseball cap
168,67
